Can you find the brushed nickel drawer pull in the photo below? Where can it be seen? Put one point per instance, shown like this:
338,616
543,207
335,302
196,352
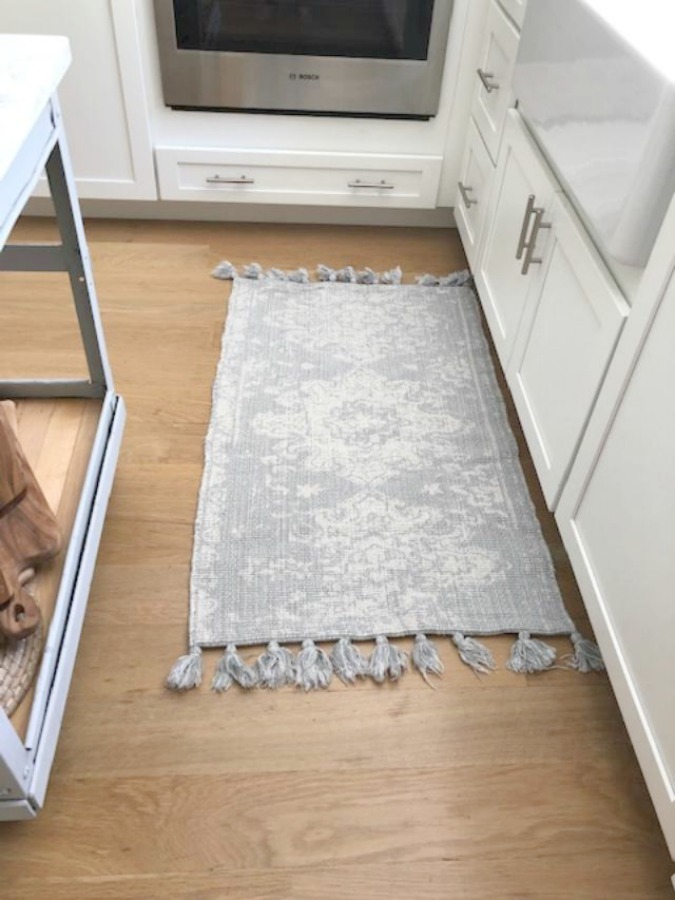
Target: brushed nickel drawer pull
522,241
465,191
220,179
380,185
488,84
537,225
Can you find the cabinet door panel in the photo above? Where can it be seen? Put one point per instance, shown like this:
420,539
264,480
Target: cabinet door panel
502,286
102,96
617,517
567,336
473,192
516,9
493,95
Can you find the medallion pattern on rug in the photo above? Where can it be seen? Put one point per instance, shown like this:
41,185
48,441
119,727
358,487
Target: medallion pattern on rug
361,478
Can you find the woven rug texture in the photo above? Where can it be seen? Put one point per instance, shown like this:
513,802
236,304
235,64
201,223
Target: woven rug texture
361,481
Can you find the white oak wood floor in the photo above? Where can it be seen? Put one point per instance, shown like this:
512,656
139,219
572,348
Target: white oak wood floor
507,787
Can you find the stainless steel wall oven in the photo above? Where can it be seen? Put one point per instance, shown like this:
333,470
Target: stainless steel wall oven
343,57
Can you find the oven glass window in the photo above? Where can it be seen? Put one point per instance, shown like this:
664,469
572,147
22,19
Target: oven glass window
375,29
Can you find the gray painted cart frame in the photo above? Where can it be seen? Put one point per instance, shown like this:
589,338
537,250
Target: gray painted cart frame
25,765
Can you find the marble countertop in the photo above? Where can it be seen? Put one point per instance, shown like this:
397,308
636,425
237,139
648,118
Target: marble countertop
31,67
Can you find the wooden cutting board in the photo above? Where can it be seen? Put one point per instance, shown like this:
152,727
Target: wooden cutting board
29,533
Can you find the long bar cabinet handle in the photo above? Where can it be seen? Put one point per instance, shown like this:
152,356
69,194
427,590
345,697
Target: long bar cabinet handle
465,191
522,240
537,226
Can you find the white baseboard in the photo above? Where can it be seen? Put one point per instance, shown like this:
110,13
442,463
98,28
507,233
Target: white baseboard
295,215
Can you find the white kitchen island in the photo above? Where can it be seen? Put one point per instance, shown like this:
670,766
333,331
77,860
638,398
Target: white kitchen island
31,140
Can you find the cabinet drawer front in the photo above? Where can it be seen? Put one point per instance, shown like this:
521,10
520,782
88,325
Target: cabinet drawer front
567,336
473,192
516,9
298,178
492,93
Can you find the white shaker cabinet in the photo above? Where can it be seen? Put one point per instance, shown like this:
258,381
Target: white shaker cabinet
103,96
492,98
553,309
570,325
617,519
515,235
492,92
473,192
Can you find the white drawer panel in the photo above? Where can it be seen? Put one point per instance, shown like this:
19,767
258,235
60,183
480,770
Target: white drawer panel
346,179
492,94
473,192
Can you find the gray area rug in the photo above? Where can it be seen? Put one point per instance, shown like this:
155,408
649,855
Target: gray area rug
361,482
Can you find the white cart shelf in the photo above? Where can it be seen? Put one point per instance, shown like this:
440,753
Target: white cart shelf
32,140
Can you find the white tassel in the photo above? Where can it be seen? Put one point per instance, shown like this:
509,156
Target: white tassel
225,271
312,667
587,656
426,659
299,276
427,280
348,663
347,275
187,671
367,276
456,279
276,275
530,655
232,668
325,273
222,680
386,660
474,654
276,667
254,271
392,276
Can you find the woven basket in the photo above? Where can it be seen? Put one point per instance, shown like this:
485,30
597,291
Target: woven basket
18,663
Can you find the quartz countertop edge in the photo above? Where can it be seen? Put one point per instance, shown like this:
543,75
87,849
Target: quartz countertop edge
31,68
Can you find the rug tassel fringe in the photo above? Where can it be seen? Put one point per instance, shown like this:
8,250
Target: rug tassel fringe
231,668
253,271
474,654
187,671
530,655
426,659
227,271
392,276
586,656
349,275
347,661
313,668
455,279
276,667
277,275
386,660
